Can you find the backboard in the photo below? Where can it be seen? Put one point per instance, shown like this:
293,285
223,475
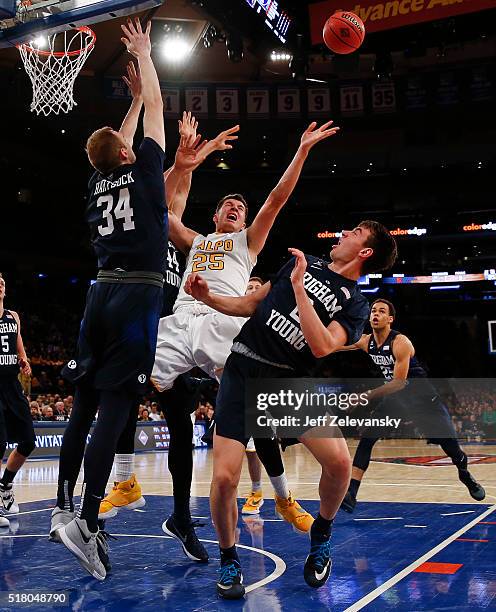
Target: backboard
22,20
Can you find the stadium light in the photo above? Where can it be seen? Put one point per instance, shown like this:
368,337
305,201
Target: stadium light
175,49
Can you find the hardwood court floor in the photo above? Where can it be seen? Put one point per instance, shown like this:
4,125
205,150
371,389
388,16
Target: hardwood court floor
416,542
384,481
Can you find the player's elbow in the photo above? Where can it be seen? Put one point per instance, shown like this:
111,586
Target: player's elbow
321,350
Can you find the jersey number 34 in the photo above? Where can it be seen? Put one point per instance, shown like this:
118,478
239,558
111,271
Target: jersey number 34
122,210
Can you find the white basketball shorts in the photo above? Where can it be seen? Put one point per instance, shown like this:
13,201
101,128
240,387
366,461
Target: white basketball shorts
193,336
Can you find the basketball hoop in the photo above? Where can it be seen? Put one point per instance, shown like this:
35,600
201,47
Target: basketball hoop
54,72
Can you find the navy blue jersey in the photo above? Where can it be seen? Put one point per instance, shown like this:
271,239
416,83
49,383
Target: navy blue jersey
127,214
9,330
274,333
383,357
175,264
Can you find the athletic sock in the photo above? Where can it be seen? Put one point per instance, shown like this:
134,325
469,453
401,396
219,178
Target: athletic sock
280,484
228,554
256,486
321,528
7,477
354,486
124,467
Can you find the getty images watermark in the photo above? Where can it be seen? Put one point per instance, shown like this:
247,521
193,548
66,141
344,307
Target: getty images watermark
367,408
308,401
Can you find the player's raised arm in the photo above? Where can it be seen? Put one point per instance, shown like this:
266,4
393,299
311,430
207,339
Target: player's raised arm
138,44
321,340
261,226
243,306
130,123
192,152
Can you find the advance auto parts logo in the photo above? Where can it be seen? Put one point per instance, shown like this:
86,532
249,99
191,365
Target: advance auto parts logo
436,460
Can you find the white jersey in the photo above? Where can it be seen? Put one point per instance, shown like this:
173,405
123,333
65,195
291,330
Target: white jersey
223,260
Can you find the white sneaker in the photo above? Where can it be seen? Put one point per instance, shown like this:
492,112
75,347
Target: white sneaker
4,522
60,518
7,499
82,543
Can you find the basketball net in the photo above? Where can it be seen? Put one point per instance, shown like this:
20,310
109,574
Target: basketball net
53,73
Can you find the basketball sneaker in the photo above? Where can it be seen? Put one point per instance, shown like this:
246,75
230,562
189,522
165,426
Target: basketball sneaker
253,503
125,494
349,502
318,563
82,543
8,501
230,583
291,511
187,537
4,522
60,518
102,539
476,490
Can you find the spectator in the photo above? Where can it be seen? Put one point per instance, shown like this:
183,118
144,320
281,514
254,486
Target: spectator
154,415
35,411
145,415
60,414
47,412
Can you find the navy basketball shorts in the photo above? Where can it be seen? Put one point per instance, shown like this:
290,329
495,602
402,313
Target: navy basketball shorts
230,406
16,424
118,337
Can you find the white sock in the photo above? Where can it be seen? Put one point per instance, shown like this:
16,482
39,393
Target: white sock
256,486
280,484
124,467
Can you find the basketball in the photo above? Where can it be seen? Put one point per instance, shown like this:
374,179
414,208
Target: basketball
344,32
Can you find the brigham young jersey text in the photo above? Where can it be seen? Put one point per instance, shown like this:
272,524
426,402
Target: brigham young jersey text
9,330
127,214
274,332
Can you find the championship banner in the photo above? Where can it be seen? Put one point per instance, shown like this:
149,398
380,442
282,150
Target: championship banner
197,101
389,14
171,102
227,102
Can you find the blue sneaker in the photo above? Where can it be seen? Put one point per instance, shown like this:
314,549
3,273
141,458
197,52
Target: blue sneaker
230,583
318,564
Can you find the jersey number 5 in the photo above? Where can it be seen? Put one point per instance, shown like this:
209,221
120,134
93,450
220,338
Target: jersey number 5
122,210
5,343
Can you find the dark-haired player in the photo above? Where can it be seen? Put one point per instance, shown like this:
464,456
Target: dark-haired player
310,310
394,354
196,335
127,216
16,424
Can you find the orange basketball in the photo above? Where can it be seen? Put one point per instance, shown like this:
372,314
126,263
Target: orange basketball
344,32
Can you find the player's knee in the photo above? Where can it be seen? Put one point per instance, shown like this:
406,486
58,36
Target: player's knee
338,467
225,480
26,447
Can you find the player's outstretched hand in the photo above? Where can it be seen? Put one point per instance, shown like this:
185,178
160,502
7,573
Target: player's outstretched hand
137,42
196,287
313,134
221,141
189,154
188,126
133,81
299,268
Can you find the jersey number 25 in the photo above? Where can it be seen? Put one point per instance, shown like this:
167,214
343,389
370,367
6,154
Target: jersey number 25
122,210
